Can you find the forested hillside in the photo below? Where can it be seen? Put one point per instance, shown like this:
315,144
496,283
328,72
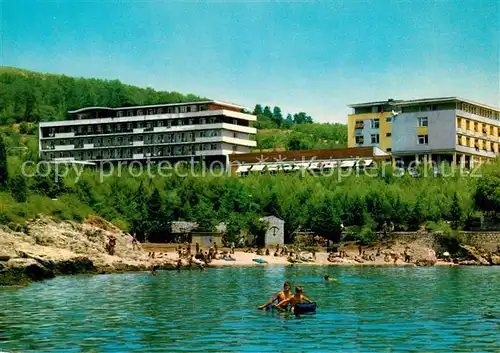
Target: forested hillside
33,97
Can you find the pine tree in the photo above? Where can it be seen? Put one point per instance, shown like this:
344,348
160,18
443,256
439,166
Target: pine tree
3,164
257,110
455,211
277,116
267,112
18,188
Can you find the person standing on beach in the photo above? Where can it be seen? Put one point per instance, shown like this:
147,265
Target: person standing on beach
197,249
280,296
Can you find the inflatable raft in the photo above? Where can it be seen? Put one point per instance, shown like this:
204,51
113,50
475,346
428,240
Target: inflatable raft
304,308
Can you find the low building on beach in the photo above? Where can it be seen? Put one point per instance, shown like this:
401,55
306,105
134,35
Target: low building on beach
275,233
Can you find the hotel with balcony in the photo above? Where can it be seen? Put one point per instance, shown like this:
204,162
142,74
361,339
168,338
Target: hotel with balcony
450,129
208,130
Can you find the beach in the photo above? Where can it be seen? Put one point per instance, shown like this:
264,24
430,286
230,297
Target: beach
46,248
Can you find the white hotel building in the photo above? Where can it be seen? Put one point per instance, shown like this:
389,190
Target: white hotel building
208,130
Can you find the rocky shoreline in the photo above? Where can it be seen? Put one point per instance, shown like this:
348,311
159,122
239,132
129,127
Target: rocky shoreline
44,248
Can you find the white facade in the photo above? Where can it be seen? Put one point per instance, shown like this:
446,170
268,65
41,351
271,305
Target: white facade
275,233
170,131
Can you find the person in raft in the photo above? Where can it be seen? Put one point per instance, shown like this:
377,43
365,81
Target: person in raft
280,296
298,298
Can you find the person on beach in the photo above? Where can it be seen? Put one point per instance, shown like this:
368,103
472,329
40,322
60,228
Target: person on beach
197,248
280,296
298,298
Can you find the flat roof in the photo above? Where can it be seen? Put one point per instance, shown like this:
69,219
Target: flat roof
307,156
156,106
422,101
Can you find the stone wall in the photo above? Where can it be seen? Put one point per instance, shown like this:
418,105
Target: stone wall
487,240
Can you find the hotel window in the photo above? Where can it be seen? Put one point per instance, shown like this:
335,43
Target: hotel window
151,111
118,127
180,122
422,121
388,134
169,123
375,138
140,112
99,128
235,122
203,121
129,126
191,121
183,109
120,113
79,129
213,146
139,125
193,108
374,123
160,123
130,113
235,135
388,119
423,139
160,110
188,109
360,140
388,149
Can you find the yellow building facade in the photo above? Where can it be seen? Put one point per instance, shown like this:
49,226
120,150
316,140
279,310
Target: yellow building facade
451,128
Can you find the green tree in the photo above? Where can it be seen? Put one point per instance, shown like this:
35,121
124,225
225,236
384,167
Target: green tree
277,116
487,194
4,175
18,188
257,110
302,118
455,211
267,112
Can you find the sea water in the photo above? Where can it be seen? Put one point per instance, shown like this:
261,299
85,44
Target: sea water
370,309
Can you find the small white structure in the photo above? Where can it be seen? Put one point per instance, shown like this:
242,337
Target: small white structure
275,234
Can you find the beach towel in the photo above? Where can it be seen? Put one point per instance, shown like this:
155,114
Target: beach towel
260,261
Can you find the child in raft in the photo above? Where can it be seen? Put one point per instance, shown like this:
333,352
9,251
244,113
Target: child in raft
280,297
298,298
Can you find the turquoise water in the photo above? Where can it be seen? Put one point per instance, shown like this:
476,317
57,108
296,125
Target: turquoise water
371,310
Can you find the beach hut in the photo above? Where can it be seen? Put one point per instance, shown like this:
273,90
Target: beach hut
275,233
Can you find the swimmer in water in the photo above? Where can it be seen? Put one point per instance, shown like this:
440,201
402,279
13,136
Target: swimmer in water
153,272
330,279
298,298
280,296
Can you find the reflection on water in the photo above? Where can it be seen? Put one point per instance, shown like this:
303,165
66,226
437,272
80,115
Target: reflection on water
370,310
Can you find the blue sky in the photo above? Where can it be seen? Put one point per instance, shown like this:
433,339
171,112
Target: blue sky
314,56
